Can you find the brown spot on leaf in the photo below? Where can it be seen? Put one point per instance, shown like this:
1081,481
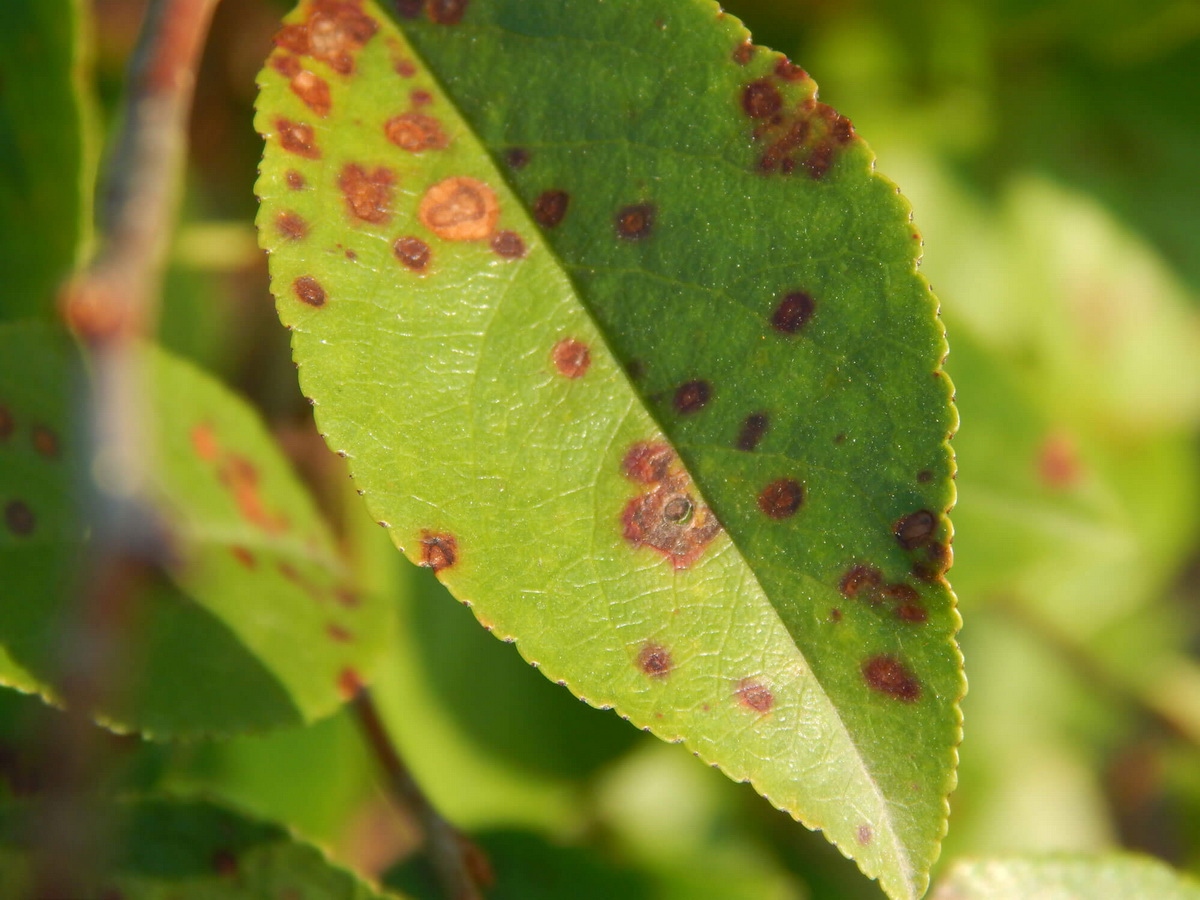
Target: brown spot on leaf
912,612
648,463
446,12
863,834
781,499
204,442
654,660
291,225
309,290
368,195
405,68
571,357
19,518
333,32
1058,462
743,53
438,551
45,442
753,695
7,423
670,520
890,676
692,396
346,596
760,99
819,161
793,312
516,157
420,98
298,138
635,222
416,132
295,181
789,71
916,529
338,633
243,556
412,252
225,864
349,683
924,476
752,431
901,593
408,9
240,477
835,615
459,209
313,91
508,245
861,579
550,207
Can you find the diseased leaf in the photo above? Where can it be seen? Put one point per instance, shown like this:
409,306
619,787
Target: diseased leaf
623,337
45,150
1125,876
256,623
188,850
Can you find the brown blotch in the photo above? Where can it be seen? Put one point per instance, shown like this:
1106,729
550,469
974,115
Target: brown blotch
1058,463
346,596
295,181
743,53
913,613
446,12
789,71
861,580
309,290
291,225
654,661
459,209
368,194
508,245
333,32
19,518
7,424
840,438
243,556
924,476
635,222
240,477
408,9
835,615
204,442
916,529
516,157
755,696
438,551
416,132
298,138
45,442
287,66
420,98
692,396
313,91
901,593
338,633
753,429
571,357
412,252
760,99
668,518
819,161
405,68
890,676
781,499
349,683
937,560
648,463
793,312
864,834
550,207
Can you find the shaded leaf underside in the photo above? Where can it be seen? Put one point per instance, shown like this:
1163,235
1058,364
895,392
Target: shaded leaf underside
619,252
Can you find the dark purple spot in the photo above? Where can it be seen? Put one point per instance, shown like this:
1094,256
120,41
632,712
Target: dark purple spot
635,222
550,207
446,12
692,396
781,499
654,660
861,580
793,312
516,157
19,518
916,529
924,476
760,99
508,245
890,676
412,252
753,429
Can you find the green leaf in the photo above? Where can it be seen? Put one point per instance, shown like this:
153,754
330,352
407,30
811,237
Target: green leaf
45,150
190,850
622,336
1066,878
255,623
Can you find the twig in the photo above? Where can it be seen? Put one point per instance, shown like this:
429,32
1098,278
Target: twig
460,866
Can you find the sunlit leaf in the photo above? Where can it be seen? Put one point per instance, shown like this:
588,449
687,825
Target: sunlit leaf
622,336
1066,878
255,621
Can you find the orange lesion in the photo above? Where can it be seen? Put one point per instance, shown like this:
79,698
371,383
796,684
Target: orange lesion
668,517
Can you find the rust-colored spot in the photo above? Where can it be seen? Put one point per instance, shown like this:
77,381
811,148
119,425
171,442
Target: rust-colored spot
924,476
45,442
819,161
753,428
368,195
1058,462
333,32
291,225
240,477
204,442
861,579
901,593
225,864
669,519
654,660
349,683
7,423
309,290
692,396
760,99
516,157
408,9
338,633
890,676
459,209
446,12
508,245
635,222
864,834
243,556
405,68
571,357
793,312
743,53
438,551
19,518
298,138
914,613
285,65
916,529
648,463
313,91
416,132
295,181
420,98
346,596
753,695
412,252
937,560
550,207
781,499
835,615
789,71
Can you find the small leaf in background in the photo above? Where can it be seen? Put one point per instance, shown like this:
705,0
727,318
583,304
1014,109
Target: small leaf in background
255,623
634,356
46,149
1122,876
190,850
